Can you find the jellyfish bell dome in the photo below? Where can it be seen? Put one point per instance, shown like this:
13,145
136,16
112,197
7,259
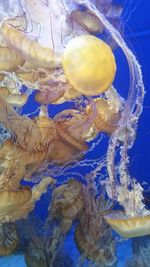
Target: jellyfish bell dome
11,201
89,65
129,227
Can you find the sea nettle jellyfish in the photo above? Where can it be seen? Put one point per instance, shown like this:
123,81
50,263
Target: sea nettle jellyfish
133,223
40,235
8,238
65,207
89,67
93,236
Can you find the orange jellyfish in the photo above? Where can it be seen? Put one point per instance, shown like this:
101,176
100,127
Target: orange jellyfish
107,118
86,20
94,240
27,48
67,202
89,65
134,220
129,227
29,134
78,125
66,206
93,236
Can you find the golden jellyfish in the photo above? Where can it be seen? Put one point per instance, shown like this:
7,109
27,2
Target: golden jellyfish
67,200
61,152
66,206
93,236
95,244
8,238
55,89
9,60
51,88
29,134
89,65
17,201
107,118
86,20
29,49
134,220
129,227
76,126
65,135
13,200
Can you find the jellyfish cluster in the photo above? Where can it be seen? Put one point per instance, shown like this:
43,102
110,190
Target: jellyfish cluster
61,53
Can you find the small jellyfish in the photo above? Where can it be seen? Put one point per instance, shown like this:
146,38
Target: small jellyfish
107,118
86,20
67,201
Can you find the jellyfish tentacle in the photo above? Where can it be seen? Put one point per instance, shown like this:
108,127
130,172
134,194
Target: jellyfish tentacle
133,107
28,134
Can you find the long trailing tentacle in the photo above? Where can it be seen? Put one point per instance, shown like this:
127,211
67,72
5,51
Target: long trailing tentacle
133,106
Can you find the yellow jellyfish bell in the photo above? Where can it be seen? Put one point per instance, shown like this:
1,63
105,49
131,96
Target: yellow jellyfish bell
129,227
89,65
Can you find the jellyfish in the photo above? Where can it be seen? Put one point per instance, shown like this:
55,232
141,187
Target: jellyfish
78,123
37,252
47,54
8,238
67,202
28,133
18,202
78,69
65,207
9,60
94,240
93,236
30,50
86,20
64,56
139,220
89,21
107,117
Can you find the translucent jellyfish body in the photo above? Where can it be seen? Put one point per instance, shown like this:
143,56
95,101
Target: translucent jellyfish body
89,65
67,200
